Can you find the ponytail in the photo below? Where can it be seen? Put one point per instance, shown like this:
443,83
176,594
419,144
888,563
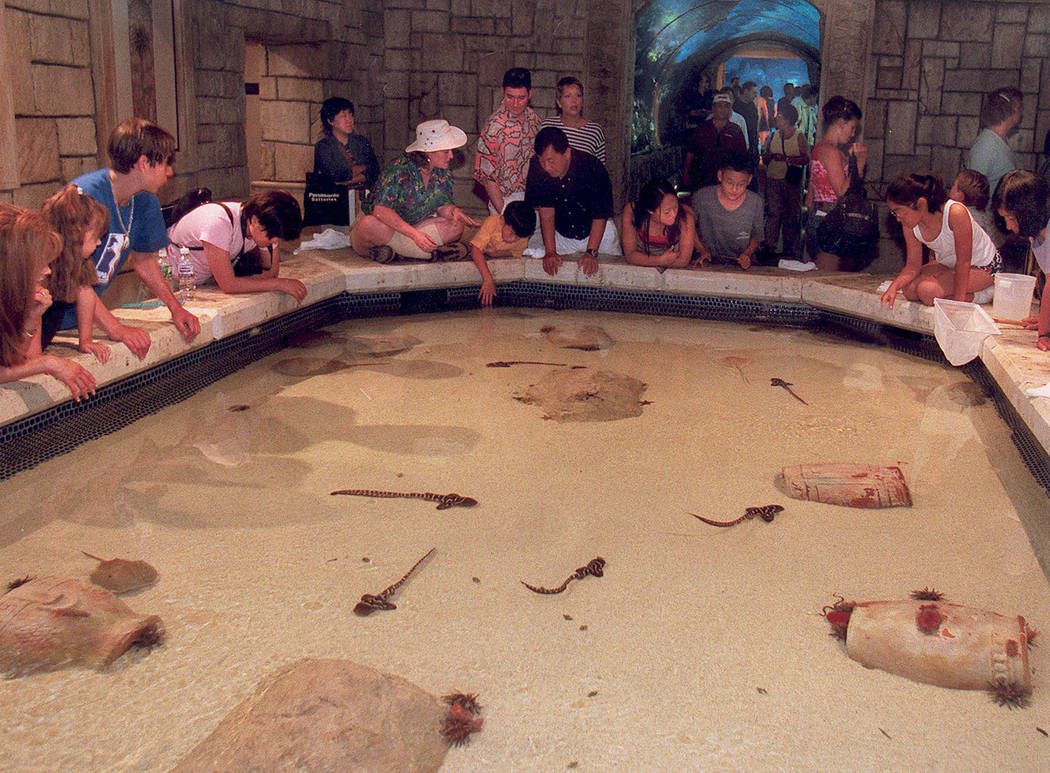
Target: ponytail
909,188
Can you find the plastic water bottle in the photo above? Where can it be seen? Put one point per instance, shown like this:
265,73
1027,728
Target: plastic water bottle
165,265
184,272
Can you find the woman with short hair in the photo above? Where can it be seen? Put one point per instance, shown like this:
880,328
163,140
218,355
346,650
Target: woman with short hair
341,156
237,244
583,134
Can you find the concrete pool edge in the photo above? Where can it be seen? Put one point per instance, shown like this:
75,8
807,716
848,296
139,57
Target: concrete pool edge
1011,359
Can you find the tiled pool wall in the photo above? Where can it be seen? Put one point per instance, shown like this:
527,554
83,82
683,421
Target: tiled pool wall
26,442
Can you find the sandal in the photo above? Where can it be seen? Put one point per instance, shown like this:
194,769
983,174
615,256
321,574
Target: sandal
451,251
382,253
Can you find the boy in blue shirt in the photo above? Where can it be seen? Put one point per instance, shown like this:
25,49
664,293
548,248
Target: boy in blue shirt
141,155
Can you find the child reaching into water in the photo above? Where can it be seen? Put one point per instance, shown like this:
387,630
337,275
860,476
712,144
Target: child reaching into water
80,221
964,256
1022,200
971,188
501,236
657,230
27,246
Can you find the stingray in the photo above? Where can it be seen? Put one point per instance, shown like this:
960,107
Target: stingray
309,366
737,363
966,393
121,575
588,338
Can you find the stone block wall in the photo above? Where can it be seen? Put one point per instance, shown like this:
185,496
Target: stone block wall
48,70
933,61
446,58
400,61
312,49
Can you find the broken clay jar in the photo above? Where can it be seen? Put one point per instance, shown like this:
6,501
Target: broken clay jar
52,622
847,484
940,643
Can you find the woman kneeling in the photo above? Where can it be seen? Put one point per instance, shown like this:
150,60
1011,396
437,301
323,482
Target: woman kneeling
411,212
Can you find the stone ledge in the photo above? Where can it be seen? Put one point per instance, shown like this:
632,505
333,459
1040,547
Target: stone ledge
1011,359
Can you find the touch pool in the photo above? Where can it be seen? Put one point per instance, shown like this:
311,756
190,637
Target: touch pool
699,648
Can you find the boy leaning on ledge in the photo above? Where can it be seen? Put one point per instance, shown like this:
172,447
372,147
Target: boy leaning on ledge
141,157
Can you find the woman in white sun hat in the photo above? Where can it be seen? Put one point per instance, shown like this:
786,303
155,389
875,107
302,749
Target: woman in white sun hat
410,212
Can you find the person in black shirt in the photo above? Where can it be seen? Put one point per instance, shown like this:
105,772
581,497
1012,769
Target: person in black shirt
574,195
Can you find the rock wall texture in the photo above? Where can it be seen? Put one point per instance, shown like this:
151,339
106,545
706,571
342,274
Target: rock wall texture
917,67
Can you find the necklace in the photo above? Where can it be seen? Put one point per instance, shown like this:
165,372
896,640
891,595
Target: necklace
120,218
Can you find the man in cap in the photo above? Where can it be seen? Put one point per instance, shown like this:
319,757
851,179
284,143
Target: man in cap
711,142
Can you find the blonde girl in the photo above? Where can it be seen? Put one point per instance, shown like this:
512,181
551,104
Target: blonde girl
80,221
27,247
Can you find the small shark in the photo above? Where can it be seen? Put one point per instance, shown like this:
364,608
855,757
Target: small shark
782,383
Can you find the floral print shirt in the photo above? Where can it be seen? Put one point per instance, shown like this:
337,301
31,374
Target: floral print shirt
505,147
400,188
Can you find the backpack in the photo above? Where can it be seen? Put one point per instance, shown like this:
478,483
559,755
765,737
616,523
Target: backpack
186,203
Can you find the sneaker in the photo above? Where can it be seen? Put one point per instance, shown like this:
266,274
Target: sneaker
381,253
451,251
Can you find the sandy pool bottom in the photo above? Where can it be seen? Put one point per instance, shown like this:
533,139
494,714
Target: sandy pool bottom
700,648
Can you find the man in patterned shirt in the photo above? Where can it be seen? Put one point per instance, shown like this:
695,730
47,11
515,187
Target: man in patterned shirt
506,143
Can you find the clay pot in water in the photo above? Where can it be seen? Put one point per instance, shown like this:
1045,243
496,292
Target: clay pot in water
847,484
48,623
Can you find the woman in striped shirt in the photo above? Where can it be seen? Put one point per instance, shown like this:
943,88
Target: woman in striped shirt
583,134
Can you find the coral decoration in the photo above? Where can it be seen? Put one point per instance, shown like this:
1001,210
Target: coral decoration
929,619
927,594
468,701
459,724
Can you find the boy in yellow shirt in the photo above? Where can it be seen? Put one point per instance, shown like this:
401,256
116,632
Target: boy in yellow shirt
501,236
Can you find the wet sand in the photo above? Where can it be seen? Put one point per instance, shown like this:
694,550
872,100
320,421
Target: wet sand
700,648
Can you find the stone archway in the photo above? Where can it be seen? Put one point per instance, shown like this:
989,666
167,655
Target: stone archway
674,38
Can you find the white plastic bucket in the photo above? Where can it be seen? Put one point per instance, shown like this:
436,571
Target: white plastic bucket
1013,296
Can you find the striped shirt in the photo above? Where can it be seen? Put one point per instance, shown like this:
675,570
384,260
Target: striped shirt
589,138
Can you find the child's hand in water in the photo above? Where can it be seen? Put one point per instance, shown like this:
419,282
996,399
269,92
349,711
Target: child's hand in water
100,350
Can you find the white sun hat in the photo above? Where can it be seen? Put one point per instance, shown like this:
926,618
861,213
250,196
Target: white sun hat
437,135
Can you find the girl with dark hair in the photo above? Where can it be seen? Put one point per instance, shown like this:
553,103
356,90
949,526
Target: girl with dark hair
1021,201
964,257
27,247
657,230
831,172
237,244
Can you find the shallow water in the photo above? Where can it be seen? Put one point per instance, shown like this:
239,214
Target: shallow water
703,647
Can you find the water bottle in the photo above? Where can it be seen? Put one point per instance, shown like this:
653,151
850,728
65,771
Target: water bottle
165,265
187,282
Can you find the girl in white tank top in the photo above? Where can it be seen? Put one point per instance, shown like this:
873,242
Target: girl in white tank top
964,256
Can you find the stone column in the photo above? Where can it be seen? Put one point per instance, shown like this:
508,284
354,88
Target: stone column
9,178
845,35
609,47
